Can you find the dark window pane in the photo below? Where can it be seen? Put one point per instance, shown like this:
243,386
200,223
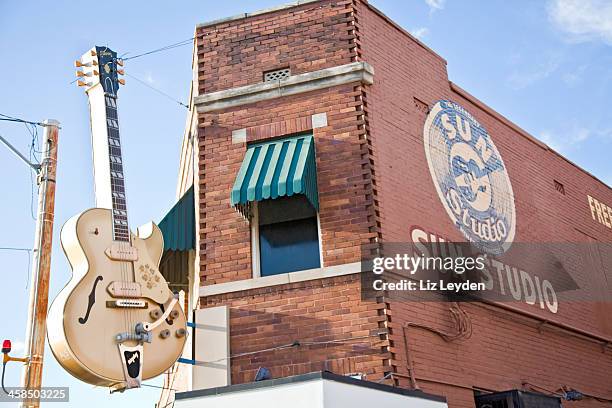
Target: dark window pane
284,209
289,246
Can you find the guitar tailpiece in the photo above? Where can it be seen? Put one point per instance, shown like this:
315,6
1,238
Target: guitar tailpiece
140,335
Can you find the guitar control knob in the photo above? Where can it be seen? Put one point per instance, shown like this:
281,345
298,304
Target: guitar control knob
174,314
181,333
164,334
155,314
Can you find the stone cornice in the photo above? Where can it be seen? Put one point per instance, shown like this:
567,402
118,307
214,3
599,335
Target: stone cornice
295,84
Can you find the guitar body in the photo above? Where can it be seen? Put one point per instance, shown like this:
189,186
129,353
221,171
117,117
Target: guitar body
84,320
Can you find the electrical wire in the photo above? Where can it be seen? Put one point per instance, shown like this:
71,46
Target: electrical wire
295,343
33,159
15,249
29,251
158,90
164,48
3,369
461,323
157,386
14,119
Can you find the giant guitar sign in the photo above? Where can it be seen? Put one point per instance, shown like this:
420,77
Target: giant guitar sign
116,322
470,177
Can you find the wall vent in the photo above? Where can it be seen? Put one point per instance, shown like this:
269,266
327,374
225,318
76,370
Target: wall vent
277,74
559,187
421,106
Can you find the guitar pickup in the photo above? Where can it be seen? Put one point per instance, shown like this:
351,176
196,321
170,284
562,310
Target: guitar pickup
122,289
126,304
118,252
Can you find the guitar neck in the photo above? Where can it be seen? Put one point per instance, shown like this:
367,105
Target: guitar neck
121,230
99,76
109,180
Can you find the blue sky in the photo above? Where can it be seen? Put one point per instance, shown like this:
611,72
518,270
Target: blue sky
545,65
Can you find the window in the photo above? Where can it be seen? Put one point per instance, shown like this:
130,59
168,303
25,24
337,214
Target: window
287,235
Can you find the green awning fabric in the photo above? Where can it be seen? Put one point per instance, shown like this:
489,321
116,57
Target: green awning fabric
178,226
277,168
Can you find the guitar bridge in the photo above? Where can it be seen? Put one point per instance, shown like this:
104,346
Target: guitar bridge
126,304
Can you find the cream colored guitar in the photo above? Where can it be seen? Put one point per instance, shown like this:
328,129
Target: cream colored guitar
116,322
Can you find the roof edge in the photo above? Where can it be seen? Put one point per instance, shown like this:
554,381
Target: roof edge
404,31
457,89
302,2
254,13
316,375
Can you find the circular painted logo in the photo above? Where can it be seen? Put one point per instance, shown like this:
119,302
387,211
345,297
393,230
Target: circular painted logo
470,177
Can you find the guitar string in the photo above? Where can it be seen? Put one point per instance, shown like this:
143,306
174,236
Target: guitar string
124,264
125,313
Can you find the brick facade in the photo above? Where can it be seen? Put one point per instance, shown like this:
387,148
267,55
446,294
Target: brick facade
374,184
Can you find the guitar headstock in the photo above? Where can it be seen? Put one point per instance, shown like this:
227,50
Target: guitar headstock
100,65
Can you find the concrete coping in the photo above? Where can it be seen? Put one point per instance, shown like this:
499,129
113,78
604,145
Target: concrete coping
295,84
253,13
281,279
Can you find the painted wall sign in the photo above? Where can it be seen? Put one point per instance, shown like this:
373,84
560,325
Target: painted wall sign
470,177
600,212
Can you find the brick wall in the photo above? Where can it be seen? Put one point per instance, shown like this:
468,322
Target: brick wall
374,184
225,235
305,38
329,312
504,349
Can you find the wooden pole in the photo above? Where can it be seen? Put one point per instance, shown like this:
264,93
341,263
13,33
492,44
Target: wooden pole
39,290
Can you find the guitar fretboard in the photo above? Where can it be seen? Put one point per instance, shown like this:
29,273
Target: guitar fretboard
121,230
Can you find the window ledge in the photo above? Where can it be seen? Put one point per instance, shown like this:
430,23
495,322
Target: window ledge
295,84
282,279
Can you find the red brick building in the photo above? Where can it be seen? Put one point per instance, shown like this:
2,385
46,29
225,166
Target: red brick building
342,79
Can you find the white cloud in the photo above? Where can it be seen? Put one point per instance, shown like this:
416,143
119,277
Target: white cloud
420,32
523,79
574,77
582,20
567,140
435,5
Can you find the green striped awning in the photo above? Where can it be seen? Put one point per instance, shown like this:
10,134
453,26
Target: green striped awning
277,168
178,226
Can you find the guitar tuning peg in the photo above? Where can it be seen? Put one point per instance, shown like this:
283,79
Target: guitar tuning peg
121,72
93,53
79,64
81,83
82,74
121,81
119,62
96,72
94,62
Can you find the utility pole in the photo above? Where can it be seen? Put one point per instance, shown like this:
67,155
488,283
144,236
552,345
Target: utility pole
39,290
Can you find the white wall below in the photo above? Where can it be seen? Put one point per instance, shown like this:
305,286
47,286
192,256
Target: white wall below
316,390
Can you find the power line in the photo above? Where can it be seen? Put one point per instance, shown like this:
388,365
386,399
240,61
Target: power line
29,251
158,90
14,119
15,249
164,48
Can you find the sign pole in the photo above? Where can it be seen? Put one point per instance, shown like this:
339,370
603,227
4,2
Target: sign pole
39,290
